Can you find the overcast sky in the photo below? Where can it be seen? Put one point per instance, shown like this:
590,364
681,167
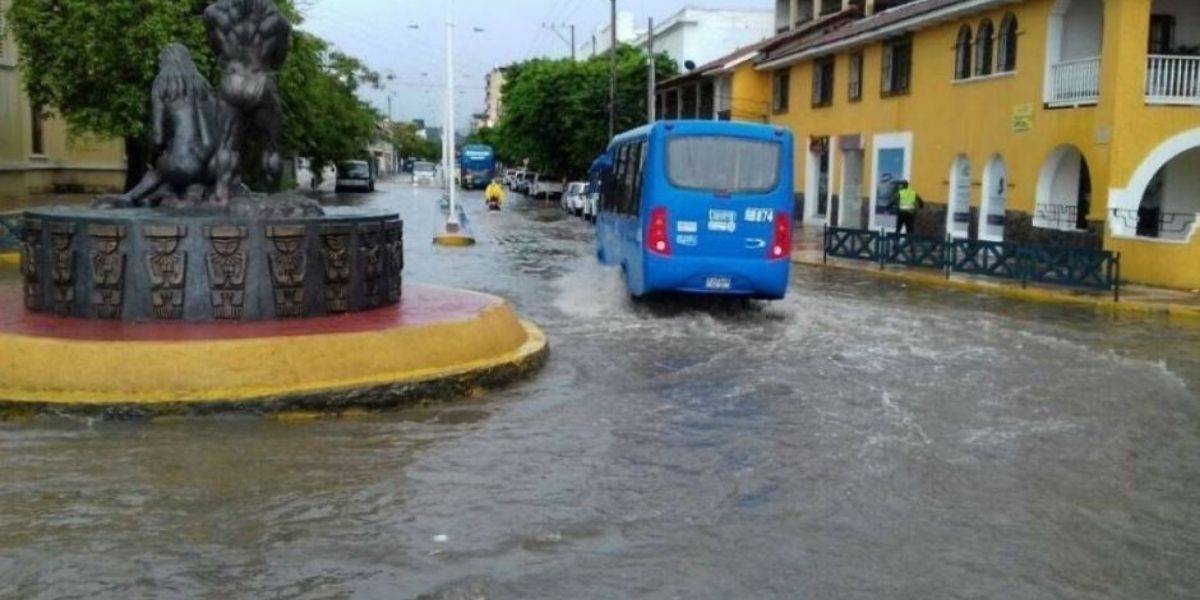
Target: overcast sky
379,33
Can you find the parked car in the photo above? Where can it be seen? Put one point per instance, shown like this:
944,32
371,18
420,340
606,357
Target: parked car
509,178
573,199
424,173
546,187
591,202
526,182
354,175
517,177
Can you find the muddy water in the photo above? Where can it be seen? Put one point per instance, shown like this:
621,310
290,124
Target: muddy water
860,439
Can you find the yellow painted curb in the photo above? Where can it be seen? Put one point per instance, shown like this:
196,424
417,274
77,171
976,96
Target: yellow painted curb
10,259
1031,294
369,368
452,239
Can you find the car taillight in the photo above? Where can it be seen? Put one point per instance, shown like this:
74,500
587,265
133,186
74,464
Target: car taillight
781,239
657,238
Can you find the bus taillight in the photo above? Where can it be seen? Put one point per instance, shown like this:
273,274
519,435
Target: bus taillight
657,239
781,242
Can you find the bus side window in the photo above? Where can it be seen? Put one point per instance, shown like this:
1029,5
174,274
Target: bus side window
631,173
614,190
639,178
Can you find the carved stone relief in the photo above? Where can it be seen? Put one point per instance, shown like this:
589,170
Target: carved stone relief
288,263
393,234
167,266
227,264
371,251
335,251
31,245
62,266
108,270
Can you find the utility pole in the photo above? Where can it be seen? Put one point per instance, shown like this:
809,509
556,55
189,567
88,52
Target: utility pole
652,76
555,28
612,71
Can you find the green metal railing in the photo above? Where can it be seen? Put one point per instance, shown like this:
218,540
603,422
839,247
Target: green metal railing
1052,265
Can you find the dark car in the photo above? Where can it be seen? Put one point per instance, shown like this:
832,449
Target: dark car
355,175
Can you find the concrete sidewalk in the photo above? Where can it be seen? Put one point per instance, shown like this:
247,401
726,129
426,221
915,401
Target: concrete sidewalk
808,249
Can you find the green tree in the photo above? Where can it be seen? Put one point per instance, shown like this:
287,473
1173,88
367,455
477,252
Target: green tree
576,94
93,63
409,144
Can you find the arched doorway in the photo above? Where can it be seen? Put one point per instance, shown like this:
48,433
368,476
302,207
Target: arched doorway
1064,191
1170,203
995,200
958,211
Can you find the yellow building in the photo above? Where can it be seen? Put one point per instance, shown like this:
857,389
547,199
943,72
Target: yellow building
1073,122
36,154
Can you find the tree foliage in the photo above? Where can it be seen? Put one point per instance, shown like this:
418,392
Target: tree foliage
556,111
409,144
93,63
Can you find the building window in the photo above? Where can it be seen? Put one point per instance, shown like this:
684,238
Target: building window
897,66
779,97
856,78
1006,54
983,48
38,135
1162,34
822,90
962,53
707,99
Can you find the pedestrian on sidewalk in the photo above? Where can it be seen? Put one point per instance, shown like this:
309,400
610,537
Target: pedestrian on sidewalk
908,202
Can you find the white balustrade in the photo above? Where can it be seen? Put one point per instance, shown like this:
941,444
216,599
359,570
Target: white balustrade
1075,82
1173,80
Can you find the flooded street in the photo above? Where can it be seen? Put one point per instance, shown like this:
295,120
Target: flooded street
860,439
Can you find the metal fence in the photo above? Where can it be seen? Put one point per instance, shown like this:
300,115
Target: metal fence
1053,265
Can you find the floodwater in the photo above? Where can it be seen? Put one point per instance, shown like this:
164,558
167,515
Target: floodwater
861,439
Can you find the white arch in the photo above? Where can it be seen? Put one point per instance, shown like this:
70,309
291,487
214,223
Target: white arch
1130,197
959,199
1046,200
995,199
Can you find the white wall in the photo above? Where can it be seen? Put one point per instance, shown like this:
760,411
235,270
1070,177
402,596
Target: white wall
1181,185
1082,30
703,35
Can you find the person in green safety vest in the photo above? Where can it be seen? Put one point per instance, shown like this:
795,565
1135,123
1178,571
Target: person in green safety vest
908,201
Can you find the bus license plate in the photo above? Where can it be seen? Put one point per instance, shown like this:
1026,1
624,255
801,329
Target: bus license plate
717,283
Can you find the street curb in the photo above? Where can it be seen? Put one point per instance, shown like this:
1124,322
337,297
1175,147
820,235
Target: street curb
325,374
1039,295
10,259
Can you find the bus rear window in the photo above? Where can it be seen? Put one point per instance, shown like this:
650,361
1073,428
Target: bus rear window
722,164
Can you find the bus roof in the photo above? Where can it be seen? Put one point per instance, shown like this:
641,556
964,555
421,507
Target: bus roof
703,127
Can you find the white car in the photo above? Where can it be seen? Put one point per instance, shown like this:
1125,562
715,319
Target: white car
544,187
591,203
424,173
573,199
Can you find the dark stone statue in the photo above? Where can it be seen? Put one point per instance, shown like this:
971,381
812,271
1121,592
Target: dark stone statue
198,135
185,121
250,38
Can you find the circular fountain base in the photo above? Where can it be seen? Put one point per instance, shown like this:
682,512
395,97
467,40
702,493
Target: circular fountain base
436,344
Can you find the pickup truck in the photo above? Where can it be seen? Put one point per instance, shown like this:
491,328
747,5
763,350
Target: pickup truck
546,188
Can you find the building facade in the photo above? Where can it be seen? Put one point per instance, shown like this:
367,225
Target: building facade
37,155
494,98
1052,122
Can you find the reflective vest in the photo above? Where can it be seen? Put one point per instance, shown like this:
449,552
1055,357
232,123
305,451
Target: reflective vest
908,200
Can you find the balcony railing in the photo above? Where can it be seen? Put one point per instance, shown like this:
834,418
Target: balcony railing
1074,82
1173,80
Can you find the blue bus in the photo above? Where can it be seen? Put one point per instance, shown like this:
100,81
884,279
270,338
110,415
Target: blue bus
698,207
477,166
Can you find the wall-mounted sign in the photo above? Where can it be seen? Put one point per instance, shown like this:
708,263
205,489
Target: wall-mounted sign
1022,118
